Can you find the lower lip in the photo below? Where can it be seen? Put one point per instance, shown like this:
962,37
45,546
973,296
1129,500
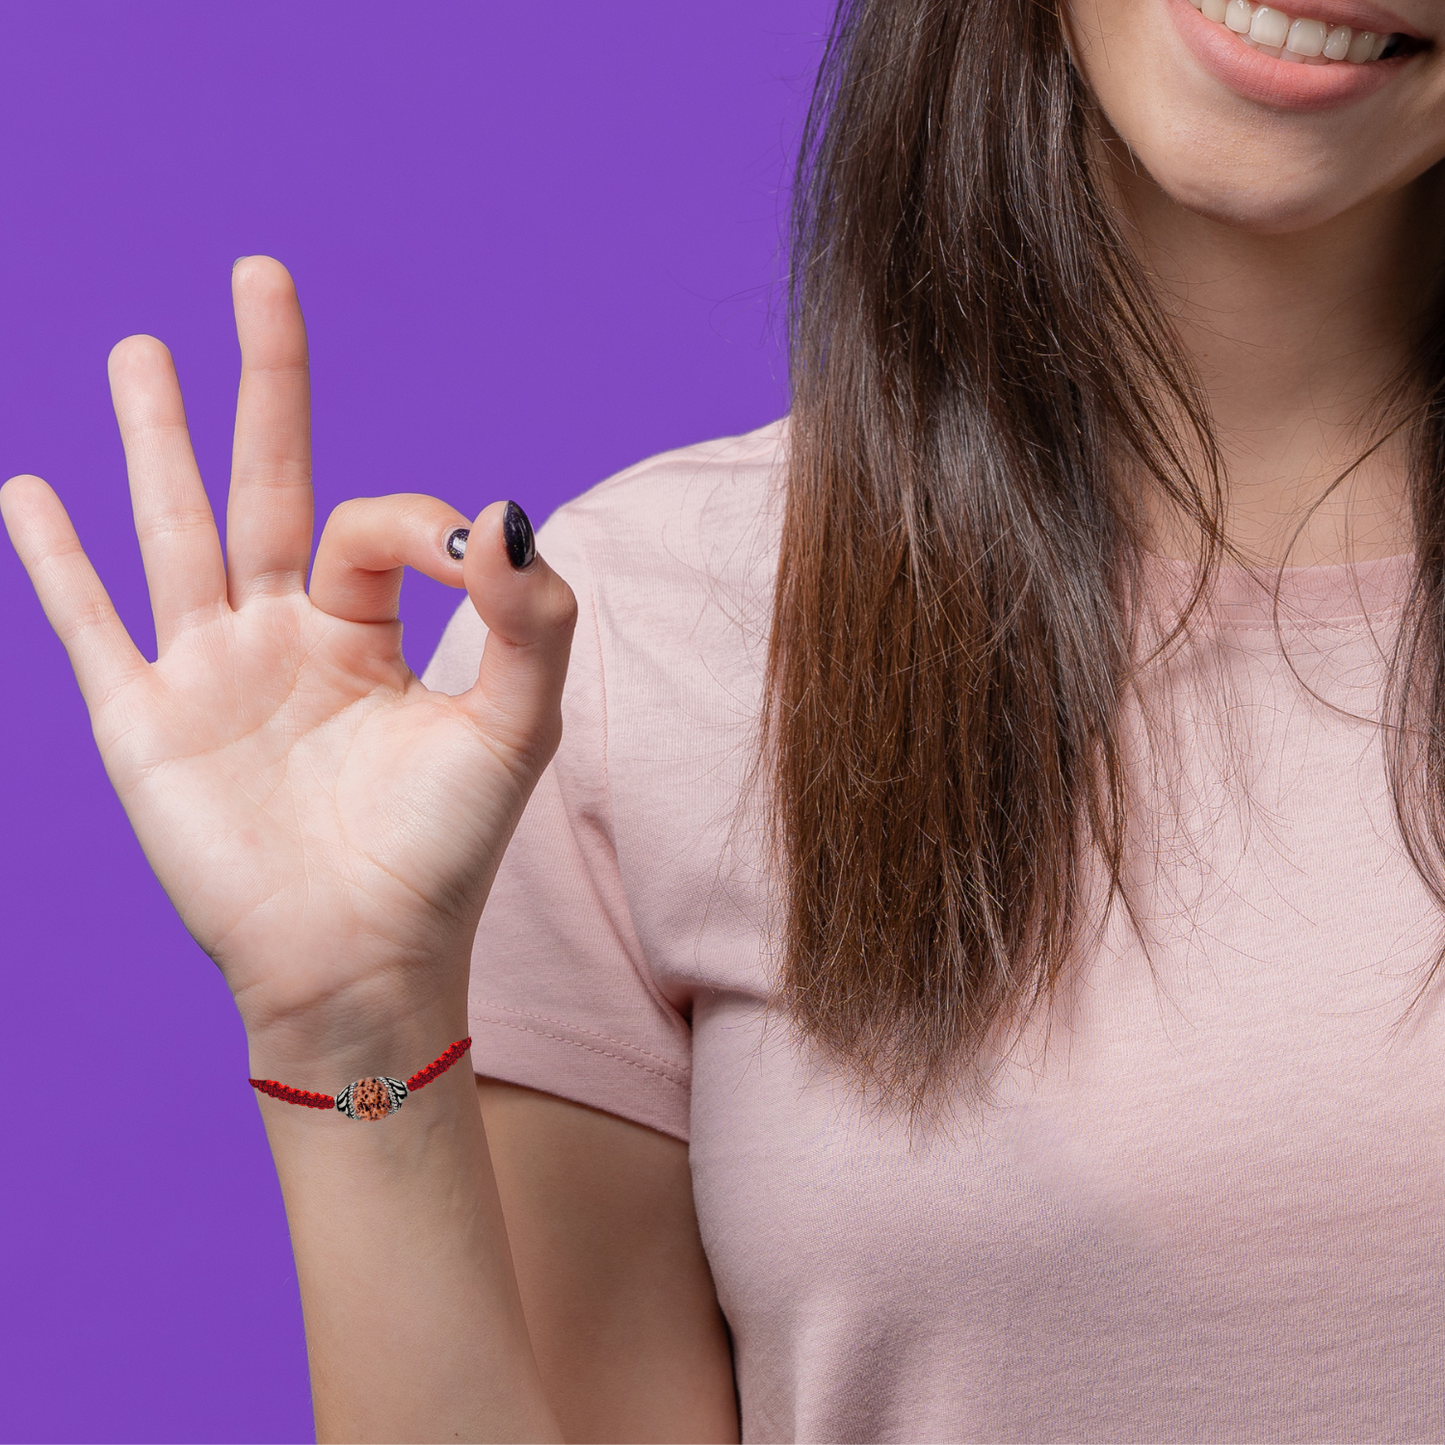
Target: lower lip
1274,82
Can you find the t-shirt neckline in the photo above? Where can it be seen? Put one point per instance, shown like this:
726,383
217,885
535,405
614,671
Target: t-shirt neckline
1335,594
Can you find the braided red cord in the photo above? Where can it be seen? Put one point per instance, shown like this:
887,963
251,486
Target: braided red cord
418,1080
288,1095
439,1065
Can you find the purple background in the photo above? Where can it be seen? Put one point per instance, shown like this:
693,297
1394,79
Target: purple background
535,243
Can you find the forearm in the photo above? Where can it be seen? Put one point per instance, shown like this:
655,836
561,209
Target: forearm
414,1326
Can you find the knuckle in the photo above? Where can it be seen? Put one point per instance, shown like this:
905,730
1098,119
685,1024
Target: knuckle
279,474
284,370
178,522
565,609
350,513
84,617
426,511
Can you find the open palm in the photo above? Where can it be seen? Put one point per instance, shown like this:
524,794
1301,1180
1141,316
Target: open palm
325,825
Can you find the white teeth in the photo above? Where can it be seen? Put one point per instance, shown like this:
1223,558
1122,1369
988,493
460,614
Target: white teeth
1269,27
1307,42
1307,37
1361,46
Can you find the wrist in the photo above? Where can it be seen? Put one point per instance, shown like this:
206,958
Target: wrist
442,1114
306,996
323,1050
369,1099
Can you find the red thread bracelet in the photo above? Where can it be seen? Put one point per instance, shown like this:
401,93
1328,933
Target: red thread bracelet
367,1099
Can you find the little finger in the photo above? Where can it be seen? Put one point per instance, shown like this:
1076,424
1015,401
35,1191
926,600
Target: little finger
74,598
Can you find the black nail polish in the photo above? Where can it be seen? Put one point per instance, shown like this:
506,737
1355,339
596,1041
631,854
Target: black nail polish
517,534
456,543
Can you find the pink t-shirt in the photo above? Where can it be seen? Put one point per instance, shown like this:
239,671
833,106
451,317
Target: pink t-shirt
1208,1204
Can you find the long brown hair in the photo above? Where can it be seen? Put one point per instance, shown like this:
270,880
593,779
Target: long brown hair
977,361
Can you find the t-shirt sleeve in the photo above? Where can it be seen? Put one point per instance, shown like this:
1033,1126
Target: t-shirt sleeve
561,998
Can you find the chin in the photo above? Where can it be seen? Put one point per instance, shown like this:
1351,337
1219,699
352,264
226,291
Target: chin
1261,206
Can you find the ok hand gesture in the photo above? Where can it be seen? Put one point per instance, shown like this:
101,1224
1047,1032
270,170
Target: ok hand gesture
326,827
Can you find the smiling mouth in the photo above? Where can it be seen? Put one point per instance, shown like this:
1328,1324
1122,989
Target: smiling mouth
1302,40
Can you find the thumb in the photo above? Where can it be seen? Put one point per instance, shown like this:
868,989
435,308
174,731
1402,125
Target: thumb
530,613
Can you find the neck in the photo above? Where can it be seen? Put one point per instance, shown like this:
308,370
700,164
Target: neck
1301,342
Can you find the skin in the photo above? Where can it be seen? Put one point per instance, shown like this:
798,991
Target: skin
492,1263
328,830
1294,251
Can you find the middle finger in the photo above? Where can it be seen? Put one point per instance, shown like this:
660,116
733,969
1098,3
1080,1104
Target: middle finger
269,515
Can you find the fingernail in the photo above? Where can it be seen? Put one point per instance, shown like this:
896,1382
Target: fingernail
456,543
237,262
517,534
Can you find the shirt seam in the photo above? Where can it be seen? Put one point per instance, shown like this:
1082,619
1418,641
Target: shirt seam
677,1084
1363,625
642,965
571,1027
606,719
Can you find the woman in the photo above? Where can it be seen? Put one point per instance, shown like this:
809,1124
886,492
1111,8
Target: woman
997,820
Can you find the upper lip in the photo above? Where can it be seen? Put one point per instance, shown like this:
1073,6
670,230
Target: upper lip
1357,14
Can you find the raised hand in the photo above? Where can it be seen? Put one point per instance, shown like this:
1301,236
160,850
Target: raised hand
326,827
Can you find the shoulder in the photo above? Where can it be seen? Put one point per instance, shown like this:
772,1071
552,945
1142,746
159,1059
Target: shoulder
678,545
701,515
674,563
